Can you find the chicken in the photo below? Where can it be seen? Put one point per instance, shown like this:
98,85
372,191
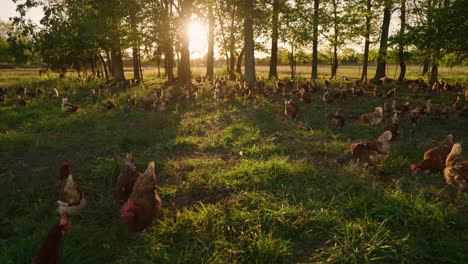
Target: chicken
456,169
436,110
373,119
390,94
305,98
27,93
110,105
21,101
356,91
54,94
377,92
434,158
290,109
69,107
131,101
70,197
127,178
48,251
393,127
337,120
457,106
400,108
372,152
149,102
144,203
93,95
415,115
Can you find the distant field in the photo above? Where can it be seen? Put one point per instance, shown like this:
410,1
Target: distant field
457,73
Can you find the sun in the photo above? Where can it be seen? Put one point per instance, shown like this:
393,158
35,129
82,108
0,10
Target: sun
198,40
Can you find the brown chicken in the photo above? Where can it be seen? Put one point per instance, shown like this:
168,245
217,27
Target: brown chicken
373,119
144,203
70,198
305,98
48,251
132,100
337,120
290,109
393,127
434,158
457,106
69,107
21,101
127,178
456,169
110,105
372,152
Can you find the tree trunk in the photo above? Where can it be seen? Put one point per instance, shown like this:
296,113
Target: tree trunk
425,66
139,64
185,73
239,61
401,55
274,41
334,68
210,55
249,44
109,62
292,63
367,42
434,72
136,66
315,41
232,45
382,59
104,66
117,64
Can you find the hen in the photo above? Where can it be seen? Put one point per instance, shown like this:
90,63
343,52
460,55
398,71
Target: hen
373,119
69,107
144,203
127,178
290,109
48,250
434,158
456,169
337,120
372,152
394,127
70,198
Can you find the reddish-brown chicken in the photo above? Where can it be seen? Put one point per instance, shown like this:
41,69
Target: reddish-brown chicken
337,120
70,198
127,178
456,169
290,109
373,119
372,152
434,158
48,250
393,127
69,107
144,203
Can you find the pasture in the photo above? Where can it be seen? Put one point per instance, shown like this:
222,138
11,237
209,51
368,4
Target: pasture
237,183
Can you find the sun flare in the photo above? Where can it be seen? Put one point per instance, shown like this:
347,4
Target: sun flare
198,40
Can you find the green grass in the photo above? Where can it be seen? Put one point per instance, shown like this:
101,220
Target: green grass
285,199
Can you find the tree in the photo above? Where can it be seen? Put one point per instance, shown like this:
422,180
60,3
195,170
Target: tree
249,43
315,41
401,41
185,15
273,73
382,59
211,29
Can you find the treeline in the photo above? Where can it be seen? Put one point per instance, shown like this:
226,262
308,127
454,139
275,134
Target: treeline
95,35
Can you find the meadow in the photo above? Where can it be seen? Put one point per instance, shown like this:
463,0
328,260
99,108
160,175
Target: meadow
237,184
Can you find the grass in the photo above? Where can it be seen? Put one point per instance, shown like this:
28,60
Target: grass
238,184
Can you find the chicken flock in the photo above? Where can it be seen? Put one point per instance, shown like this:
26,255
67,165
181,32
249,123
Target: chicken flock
138,190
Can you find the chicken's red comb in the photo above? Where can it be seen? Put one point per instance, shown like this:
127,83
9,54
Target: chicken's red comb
66,163
413,167
64,220
124,211
77,107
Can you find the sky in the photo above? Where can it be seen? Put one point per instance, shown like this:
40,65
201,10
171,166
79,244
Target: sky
8,9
